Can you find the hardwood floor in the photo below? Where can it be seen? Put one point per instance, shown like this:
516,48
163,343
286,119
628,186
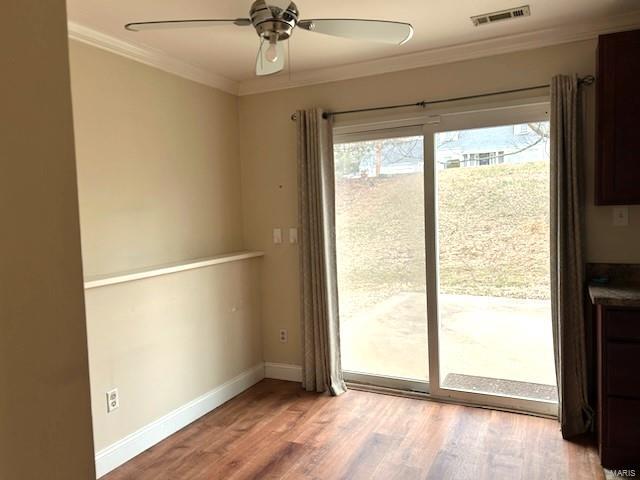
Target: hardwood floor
276,431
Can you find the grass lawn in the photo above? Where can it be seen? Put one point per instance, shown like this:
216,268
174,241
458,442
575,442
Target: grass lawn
493,233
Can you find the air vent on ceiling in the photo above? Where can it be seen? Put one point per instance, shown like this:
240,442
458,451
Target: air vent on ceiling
509,14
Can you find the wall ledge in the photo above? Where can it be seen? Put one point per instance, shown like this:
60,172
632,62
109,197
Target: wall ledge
112,279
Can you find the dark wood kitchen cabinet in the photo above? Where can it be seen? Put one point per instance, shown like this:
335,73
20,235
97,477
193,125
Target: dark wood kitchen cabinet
617,173
618,332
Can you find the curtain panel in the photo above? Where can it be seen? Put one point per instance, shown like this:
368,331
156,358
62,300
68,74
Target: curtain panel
567,265
321,366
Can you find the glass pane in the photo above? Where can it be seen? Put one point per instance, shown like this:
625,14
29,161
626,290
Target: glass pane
381,257
493,246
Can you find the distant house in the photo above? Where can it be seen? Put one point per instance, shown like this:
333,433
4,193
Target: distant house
489,146
455,149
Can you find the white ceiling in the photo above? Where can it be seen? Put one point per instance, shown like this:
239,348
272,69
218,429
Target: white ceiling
230,51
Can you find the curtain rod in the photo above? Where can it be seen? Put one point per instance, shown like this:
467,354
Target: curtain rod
588,80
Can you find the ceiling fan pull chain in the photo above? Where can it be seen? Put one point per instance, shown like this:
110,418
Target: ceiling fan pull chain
260,56
289,57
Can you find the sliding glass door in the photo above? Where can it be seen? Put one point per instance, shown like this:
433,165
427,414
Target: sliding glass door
443,257
488,250
381,257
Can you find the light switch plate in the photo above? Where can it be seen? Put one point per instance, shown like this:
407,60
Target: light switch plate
620,216
293,235
277,235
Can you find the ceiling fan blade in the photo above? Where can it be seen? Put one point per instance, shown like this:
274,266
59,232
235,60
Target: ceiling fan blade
263,65
166,24
358,29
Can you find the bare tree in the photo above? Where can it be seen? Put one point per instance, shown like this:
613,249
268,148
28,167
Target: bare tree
350,156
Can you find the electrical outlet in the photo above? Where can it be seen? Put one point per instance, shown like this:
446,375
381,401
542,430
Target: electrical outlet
284,335
113,400
277,235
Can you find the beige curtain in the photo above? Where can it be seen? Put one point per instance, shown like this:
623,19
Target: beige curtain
321,368
566,259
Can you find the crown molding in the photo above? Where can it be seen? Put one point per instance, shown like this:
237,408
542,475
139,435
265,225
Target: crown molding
151,57
483,48
456,53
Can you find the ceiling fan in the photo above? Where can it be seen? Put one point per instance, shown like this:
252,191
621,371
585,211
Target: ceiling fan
275,20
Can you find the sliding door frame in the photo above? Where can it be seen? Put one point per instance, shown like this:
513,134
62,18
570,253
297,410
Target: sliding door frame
508,112
384,381
512,115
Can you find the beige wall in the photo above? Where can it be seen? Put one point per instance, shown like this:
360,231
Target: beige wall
159,182
269,166
166,340
45,416
158,169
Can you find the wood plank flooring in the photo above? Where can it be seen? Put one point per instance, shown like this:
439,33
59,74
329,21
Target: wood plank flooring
276,431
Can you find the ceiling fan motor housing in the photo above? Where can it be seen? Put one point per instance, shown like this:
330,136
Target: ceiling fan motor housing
270,26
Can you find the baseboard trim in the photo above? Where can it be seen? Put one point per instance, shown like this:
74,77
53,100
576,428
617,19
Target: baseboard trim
283,371
134,444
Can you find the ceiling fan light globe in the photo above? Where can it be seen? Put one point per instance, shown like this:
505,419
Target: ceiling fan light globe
271,54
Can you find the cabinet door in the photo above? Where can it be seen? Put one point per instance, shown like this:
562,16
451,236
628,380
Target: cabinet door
622,373
623,438
618,123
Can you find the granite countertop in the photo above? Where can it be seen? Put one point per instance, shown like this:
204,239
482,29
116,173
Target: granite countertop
616,294
622,289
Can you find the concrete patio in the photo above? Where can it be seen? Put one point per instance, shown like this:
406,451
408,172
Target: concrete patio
486,337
